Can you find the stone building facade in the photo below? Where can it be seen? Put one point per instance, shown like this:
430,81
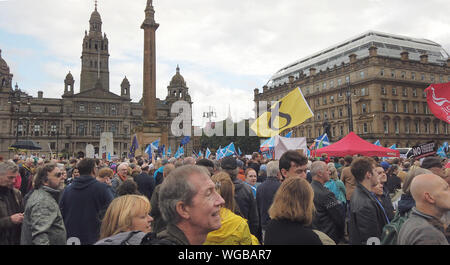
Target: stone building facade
384,75
68,124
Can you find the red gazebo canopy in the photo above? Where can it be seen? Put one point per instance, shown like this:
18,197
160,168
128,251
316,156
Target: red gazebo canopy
352,144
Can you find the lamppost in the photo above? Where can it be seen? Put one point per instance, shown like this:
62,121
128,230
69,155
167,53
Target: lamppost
348,93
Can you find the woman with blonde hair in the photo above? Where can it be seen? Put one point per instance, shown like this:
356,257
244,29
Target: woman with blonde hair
126,221
291,215
335,185
234,229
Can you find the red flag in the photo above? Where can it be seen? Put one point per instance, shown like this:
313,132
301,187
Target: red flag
438,98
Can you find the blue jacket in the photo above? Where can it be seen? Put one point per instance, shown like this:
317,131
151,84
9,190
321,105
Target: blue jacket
83,204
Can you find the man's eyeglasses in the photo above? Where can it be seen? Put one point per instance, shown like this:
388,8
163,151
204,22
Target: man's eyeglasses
59,174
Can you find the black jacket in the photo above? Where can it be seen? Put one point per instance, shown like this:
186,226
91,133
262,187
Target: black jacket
366,217
146,184
329,216
83,204
387,204
264,198
286,232
247,205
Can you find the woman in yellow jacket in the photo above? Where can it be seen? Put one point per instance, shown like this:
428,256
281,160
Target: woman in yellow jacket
234,229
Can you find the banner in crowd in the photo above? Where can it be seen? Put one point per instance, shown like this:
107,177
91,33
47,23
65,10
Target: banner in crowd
134,146
423,150
290,111
438,98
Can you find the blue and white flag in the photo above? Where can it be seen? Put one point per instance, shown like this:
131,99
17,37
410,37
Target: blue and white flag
179,152
109,156
229,150
208,153
149,151
308,152
377,143
322,141
200,154
169,152
445,145
164,151
133,147
239,151
289,134
440,152
394,146
218,152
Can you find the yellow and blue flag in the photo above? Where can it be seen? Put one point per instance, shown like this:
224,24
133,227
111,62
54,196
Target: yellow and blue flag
286,113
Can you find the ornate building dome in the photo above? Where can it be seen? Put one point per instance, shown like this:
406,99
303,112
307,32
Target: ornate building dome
4,68
177,79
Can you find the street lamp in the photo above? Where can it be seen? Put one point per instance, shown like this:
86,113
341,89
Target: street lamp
348,93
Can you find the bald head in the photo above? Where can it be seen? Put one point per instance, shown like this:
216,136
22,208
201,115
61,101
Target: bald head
431,193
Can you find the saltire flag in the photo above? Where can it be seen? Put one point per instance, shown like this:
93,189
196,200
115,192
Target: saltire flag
185,140
179,152
445,145
239,151
196,156
200,153
208,153
229,150
164,151
308,152
438,99
218,152
289,134
169,152
440,152
394,146
288,112
322,141
377,143
133,147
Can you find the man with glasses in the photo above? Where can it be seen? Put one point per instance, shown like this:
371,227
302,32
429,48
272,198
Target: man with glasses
11,206
293,164
43,223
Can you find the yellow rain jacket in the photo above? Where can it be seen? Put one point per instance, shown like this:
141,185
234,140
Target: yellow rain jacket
234,231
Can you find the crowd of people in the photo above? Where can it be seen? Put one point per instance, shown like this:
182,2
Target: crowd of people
234,201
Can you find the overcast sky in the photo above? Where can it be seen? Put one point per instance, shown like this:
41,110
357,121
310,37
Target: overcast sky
225,48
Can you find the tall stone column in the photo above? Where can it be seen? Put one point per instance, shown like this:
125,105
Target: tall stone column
149,91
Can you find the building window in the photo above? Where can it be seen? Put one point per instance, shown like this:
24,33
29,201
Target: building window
81,130
395,107
324,101
383,90
405,91
113,110
361,74
332,114
405,107
97,130
332,83
386,126
331,99
340,81
382,72
384,105
318,115
325,115
333,131
414,92
394,91
340,93
82,109
37,129
417,125
364,108
97,109
341,130
427,127
324,85
436,128
340,112
432,78
413,76
393,74
441,79
397,129
446,128
307,90
347,79
363,91
422,77
365,128
424,94
416,108
403,75
426,110
407,127
317,102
